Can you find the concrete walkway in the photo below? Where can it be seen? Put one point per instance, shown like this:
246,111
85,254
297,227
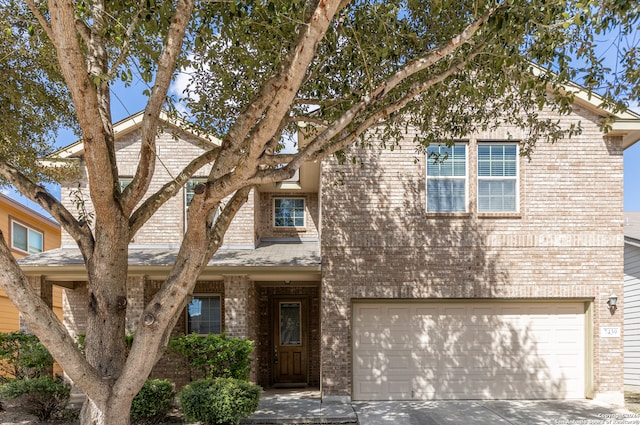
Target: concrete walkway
305,407
494,412
288,406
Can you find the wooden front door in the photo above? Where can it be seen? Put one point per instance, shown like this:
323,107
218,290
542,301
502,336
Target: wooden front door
290,341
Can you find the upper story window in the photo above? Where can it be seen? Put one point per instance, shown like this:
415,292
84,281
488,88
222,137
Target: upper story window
497,177
189,189
203,315
26,239
447,178
288,212
189,192
124,182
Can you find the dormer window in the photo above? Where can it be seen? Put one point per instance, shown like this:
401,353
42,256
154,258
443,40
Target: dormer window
288,212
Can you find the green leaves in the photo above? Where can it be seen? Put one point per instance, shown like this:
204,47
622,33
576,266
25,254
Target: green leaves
232,48
34,101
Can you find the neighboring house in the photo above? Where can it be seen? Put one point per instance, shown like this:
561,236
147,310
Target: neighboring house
26,232
632,300
485,276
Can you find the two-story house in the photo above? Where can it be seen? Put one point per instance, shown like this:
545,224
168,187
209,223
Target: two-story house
483,276
26,232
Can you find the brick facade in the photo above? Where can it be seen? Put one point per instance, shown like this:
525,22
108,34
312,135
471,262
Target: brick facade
377,242
566,242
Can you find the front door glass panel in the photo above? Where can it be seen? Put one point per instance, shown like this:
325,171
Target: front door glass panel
290,324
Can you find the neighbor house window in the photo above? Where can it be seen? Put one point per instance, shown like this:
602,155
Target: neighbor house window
203,315
497,177
447,178
26,239
288,212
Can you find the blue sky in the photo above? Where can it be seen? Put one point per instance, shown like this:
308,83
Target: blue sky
632,178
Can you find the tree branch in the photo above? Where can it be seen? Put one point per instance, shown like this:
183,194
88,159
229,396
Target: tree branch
216,233
322,151
275,96
89,108
43,322
170,189
84,31
81,233
166,66
41,19
287,84
421,64
127,40
415,90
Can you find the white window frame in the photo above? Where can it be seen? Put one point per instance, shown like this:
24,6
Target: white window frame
443,178
304,212
515,179
220,313
29,229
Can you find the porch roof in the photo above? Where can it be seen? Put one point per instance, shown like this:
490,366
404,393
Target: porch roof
268,261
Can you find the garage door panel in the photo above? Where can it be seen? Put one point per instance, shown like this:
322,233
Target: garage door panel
470,350
400,362
451,311
398,316
400,389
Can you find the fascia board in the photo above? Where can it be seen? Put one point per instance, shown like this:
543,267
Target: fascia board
128,125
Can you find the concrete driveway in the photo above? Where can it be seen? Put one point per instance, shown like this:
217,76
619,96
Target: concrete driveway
495,412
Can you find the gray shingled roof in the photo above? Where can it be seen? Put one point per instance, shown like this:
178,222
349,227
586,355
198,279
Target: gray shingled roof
280,254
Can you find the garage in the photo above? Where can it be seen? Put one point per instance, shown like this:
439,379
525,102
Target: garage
468,350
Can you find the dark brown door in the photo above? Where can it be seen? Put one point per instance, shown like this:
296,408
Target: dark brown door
290,357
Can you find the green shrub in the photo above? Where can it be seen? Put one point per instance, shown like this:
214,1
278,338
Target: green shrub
153,402
221,401
23,356
214,356
43,397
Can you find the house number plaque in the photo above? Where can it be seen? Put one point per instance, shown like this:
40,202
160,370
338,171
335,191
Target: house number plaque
609,332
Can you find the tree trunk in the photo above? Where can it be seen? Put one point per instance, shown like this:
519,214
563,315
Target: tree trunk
105,345
111,412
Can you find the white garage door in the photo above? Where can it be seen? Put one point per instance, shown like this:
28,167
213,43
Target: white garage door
470,350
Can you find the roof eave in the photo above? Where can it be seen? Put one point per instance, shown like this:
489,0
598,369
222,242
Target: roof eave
77,272
128,125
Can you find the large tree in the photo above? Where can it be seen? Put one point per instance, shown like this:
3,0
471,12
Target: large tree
351,71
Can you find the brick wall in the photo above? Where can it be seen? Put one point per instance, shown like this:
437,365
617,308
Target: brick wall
241,232
566,242
44,289
175,149
74,306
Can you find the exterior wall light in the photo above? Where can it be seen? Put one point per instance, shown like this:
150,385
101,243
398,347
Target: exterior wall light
612,303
